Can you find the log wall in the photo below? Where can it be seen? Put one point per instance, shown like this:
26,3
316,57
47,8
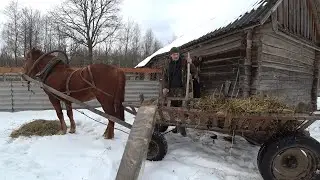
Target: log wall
285,67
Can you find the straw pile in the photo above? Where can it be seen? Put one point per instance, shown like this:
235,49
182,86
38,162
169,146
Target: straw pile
244,106
37,128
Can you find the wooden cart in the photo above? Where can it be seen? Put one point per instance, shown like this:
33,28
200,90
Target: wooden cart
286,149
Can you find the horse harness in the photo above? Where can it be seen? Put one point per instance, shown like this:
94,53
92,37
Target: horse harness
44,74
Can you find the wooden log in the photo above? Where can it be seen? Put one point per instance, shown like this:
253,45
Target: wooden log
73,100
136,149
247,66
315,83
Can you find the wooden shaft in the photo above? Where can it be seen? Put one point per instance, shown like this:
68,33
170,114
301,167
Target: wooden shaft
73,100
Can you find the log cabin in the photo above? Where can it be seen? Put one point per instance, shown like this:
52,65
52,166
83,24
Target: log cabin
273,49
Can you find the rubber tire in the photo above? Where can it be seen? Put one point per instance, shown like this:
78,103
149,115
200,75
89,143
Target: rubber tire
162,145
261,153
273,147
161,128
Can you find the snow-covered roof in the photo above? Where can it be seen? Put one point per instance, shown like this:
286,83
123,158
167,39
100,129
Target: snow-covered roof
215,24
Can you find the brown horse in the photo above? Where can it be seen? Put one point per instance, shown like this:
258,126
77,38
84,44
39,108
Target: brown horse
105,83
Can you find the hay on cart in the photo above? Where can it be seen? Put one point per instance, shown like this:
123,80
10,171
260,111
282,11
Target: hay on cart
254,105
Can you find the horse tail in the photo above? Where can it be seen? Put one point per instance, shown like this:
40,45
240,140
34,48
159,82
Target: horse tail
120,93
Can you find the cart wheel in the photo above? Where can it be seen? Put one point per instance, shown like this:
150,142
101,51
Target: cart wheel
290,157
160,128
261,153
157,147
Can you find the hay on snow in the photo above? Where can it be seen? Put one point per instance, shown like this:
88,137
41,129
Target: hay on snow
37,128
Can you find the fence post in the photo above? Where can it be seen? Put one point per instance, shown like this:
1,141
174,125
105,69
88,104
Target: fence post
135,152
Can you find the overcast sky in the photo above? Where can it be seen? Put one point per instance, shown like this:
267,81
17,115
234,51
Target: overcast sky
165,17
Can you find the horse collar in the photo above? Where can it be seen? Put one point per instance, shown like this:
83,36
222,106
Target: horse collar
43,75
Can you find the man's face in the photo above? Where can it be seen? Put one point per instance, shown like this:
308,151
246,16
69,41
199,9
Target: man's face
175,56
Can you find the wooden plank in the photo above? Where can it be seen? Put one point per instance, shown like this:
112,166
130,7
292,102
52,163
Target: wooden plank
219,49
73,100
223,49
294,12
284,68
271,56
280,14
302,16
285,14
207,62
285,65
305,19
308,20
137,146
291,15
222,42
298,14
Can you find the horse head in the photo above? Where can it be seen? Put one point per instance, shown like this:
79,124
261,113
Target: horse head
32,61
36,60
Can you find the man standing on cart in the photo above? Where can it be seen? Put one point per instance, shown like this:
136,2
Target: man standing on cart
175,79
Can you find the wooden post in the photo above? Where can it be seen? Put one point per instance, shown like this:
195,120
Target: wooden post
247,66
136,149
315,83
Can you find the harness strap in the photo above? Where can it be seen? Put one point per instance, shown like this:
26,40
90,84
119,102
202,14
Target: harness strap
68,81
92,84
90,73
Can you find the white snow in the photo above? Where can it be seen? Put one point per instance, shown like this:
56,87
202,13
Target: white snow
86,155
200,30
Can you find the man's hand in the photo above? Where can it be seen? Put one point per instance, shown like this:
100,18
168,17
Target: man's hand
165,91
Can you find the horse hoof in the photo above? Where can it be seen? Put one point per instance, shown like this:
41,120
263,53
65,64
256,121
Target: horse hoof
72,131
61,132
108,137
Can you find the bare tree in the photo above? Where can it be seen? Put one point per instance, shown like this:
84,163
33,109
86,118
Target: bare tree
12,28
148,43
136,47
31,28
88,22
156,45
127,38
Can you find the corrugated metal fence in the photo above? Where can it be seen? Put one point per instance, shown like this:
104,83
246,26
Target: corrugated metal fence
14,94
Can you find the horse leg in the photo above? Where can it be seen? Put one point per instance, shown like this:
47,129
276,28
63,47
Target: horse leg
70,115
107,106
57,106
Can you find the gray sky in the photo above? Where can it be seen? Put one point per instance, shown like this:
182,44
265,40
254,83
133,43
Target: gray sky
165,17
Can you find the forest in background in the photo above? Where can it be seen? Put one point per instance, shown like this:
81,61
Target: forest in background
88,31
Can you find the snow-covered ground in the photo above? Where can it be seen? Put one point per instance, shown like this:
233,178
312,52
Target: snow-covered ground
86,155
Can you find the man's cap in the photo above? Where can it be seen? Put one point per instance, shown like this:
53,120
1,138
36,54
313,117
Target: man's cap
174,50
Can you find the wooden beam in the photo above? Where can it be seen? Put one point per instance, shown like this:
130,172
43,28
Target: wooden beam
315,82
247,65
137,146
